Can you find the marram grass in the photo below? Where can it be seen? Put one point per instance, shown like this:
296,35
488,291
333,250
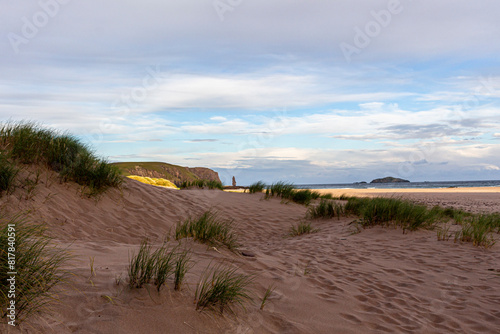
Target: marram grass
270,289
209,184
29,143
157,266
326,209
8,173
38,264
475,228
287,191
256,187
479,230
221,287
208,228
302,227
391,211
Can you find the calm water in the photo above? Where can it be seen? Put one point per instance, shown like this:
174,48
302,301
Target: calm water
445,184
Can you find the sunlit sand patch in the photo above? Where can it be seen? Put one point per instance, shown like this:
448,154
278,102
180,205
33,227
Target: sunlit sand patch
154,181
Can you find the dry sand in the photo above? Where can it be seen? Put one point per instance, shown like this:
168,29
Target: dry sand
333,281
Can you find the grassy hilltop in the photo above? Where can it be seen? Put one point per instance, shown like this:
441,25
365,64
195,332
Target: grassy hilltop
173,173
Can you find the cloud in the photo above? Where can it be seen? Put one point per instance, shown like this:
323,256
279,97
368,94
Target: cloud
491,167
425,131
311,30
218,119
390,123
201,141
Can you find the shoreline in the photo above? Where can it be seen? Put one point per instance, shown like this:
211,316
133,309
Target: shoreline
409,190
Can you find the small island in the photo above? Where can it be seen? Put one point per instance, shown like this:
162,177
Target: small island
389,179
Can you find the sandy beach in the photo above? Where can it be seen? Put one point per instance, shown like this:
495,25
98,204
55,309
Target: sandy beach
333,281
473,199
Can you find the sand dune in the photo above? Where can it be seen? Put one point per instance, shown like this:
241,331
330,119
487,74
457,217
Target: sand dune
333,281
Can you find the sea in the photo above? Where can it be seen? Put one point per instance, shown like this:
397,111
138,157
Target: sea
403,185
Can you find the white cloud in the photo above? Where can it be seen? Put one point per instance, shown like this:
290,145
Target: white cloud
491,167
389,122
218,119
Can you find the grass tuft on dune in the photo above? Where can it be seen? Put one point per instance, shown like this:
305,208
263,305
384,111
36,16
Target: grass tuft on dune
209,184
37,262
388,211
221,287
287,191
208,228
8,173
29,143
257,187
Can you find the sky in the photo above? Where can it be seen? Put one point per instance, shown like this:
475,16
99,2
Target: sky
304,91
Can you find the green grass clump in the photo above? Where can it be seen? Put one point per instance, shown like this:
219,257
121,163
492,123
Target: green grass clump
142,266
164,266
326,209
443,233
158,266
37,263
457,215
8,173
210,184
222,287
345,197
28,143
478,230
182,264
257,187
280,189
301,228
386,211
304,196
493,221
287,191
208,228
